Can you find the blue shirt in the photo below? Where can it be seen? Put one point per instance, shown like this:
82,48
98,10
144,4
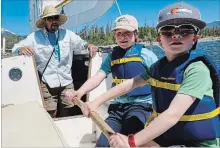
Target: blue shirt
53,39
57,73
148,58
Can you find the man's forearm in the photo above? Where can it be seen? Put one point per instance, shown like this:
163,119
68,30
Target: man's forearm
23,43
16,51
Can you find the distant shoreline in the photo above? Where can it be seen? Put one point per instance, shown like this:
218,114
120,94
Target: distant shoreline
206,39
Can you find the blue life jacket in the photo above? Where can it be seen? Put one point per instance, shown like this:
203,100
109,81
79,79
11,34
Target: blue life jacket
126,65
199,127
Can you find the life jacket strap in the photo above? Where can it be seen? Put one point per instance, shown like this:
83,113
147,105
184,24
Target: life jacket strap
152,116
126,60
165,85
118,81
189,118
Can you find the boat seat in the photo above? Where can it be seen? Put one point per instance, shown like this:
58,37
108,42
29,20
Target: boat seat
29,125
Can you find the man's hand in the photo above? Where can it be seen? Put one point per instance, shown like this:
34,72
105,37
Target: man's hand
119,141
26,51
72,95
93,49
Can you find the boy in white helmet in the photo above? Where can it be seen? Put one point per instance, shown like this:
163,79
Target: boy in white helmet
128,113
185,87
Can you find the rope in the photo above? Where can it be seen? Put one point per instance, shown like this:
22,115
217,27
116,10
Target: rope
119,10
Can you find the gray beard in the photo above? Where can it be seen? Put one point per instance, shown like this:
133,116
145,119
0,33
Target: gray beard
53,29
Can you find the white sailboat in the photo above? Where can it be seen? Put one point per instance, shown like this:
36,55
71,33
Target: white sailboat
25,122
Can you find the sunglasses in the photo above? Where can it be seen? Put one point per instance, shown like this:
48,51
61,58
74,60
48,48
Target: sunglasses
183,30
52,18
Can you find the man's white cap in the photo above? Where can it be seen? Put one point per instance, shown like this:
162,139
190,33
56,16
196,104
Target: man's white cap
127,22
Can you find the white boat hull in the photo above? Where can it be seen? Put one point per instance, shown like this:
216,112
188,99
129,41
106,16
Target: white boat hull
25,122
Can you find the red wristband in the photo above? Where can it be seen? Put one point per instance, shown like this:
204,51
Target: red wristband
131,141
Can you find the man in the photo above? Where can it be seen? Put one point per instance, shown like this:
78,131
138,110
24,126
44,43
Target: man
53,49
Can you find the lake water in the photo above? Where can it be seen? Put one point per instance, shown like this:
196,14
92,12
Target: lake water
211,48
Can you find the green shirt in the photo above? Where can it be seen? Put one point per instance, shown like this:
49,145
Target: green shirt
196,80
197,83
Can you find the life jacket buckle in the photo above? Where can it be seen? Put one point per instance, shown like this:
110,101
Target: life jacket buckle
121,60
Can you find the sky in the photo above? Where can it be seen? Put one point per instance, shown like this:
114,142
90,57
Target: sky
15,13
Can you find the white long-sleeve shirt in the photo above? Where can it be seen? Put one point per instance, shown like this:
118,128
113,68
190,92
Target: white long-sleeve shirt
57,73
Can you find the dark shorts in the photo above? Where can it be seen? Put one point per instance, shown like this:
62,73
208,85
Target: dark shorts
54,100
128,118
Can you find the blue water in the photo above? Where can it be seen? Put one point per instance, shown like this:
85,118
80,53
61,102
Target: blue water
211,48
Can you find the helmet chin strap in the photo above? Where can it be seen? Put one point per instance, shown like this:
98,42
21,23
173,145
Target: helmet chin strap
195,43
194,46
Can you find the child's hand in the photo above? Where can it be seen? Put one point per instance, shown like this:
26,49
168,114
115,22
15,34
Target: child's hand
118,140
72,95
88,107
